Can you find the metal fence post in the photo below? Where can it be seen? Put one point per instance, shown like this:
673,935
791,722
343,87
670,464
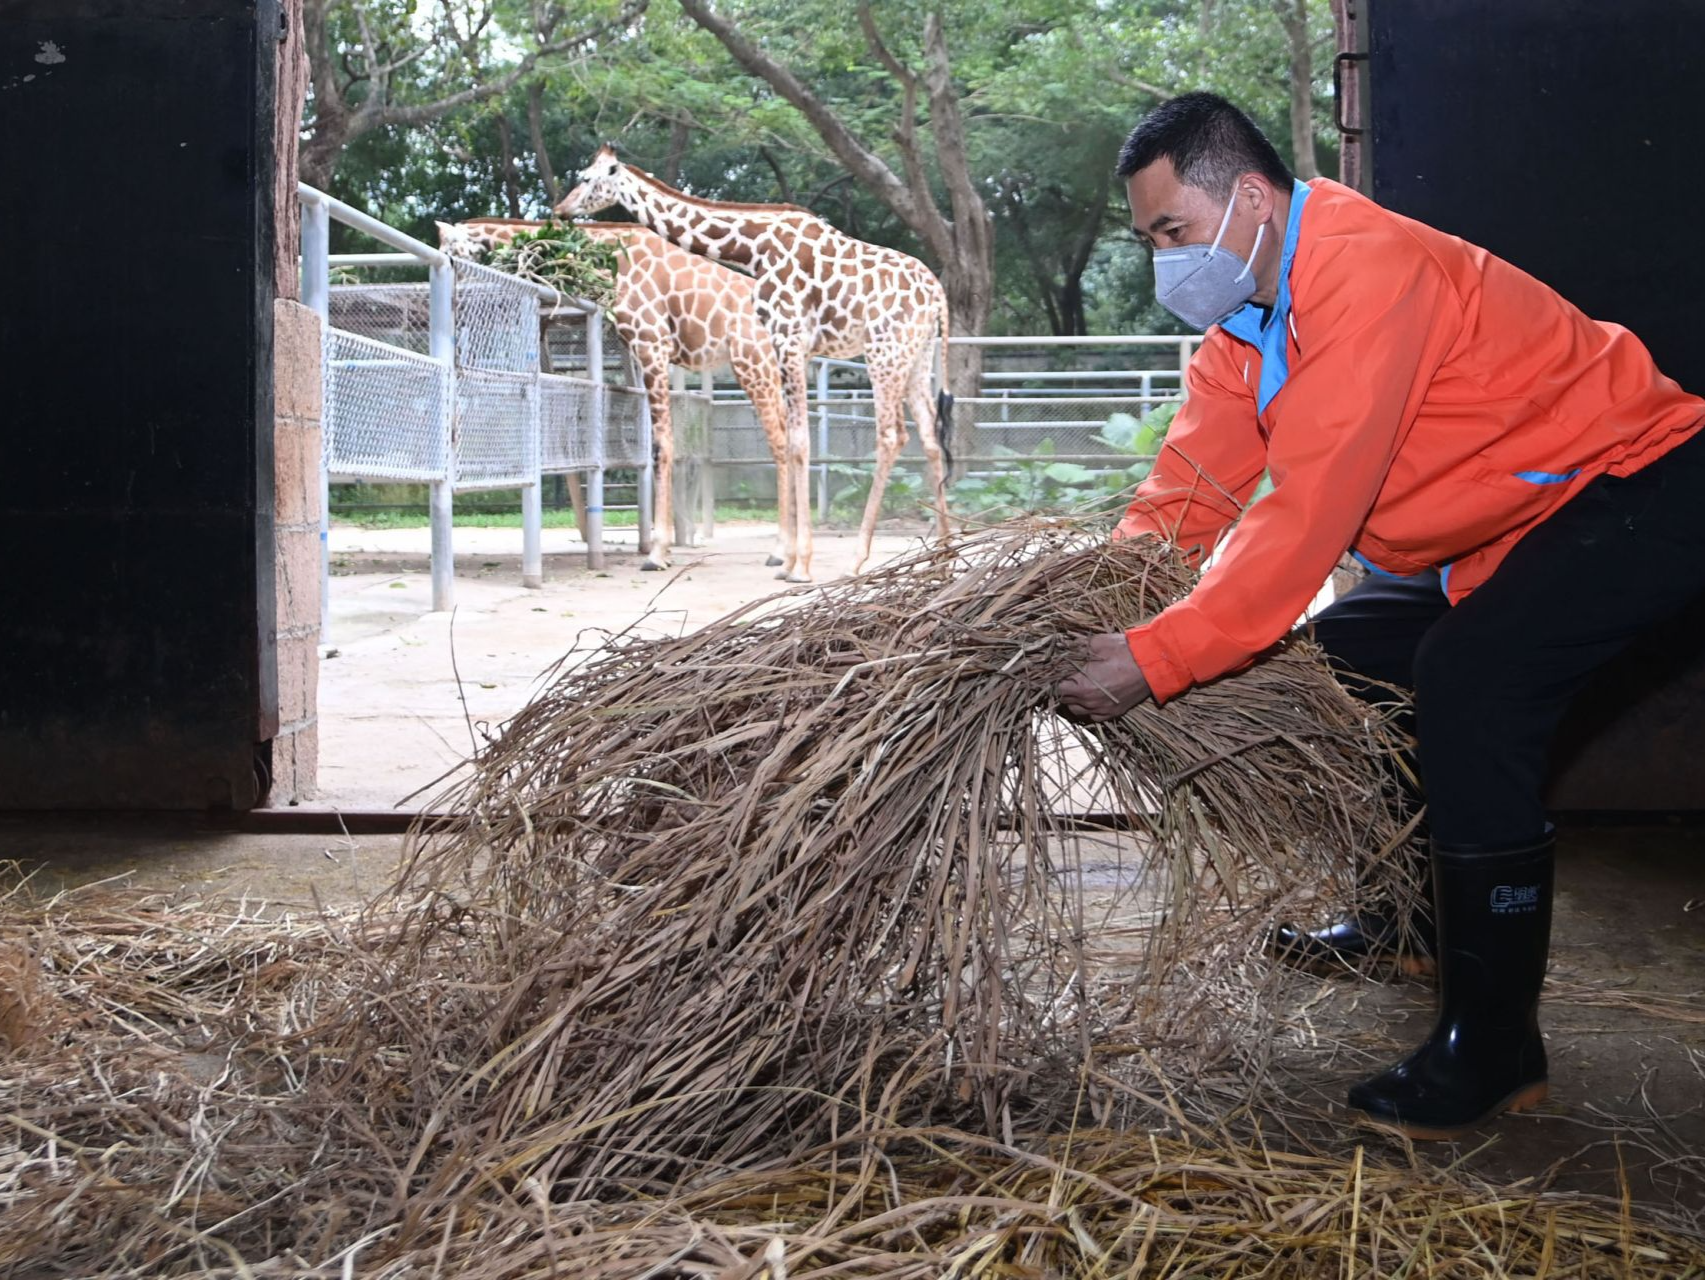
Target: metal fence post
316,293
707,460
533,498
1186,347
822,443
533,490
595,481
442,347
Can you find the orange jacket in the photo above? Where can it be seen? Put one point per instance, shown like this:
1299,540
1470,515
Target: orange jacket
1440,403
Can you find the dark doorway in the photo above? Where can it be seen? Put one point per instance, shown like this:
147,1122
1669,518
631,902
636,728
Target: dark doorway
135,349
1563,136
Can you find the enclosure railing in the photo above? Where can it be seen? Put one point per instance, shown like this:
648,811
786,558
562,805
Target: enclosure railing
1014,412
461,401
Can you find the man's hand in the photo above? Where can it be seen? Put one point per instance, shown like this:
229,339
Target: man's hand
1108,685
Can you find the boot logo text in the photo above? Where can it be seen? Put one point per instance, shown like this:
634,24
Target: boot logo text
1511,898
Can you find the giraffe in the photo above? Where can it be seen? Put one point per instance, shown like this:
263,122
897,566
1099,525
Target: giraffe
820,292
671,307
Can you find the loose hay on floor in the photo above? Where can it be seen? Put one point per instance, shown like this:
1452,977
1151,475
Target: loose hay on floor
786,929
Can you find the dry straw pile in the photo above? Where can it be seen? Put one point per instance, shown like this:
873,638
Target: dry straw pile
785,947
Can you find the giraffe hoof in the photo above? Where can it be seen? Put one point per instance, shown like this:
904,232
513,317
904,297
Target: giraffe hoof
649,567
773,561
794,577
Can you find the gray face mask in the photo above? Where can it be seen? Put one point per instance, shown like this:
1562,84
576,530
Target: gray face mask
1202,284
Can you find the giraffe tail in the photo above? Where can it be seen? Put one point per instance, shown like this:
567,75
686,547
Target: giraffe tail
944,429
944,397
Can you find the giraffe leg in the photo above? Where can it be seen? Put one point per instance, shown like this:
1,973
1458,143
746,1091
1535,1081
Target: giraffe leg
887,387
783,552
663,439
763,388
577,501
798,474
922,405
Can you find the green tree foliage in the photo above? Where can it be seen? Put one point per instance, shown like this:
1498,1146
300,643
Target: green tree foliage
1047,90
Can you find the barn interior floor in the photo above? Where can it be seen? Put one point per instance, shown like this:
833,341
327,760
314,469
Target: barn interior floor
1624,1021
1624,1015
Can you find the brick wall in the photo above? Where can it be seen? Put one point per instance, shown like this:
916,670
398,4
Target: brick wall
296,376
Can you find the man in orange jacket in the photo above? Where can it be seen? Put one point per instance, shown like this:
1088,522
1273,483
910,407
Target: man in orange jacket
1521,480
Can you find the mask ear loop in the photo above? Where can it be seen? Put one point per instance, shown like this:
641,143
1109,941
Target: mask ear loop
1225,221
1255,249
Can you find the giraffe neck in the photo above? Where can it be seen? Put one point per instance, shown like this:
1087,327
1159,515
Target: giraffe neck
725,235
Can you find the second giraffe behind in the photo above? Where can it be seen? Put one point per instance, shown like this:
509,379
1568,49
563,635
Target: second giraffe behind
671,307
820,293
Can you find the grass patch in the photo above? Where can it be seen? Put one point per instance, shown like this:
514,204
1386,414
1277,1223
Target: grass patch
552,519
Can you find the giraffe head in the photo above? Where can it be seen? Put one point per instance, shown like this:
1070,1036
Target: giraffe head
602,183
458,240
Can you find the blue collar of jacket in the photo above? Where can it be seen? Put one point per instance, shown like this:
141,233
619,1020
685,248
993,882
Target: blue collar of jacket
1267,328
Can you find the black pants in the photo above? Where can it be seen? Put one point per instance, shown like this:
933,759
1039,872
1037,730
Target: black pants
1493,676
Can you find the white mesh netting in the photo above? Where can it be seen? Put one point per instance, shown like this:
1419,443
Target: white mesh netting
624,409
392,413
1004,429
495,429
497,320
568,441
384,411
399,315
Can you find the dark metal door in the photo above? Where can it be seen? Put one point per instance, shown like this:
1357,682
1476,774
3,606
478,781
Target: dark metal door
135,357
1563,135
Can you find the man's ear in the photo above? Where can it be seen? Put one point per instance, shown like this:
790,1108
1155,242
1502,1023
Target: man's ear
1258,193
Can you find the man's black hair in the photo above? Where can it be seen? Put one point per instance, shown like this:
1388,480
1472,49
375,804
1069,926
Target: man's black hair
1209,141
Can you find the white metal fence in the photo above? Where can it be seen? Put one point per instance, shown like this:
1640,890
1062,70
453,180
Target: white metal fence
472,379
1043,400
441,382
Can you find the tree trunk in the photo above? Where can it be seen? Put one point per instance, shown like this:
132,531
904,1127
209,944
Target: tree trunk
511,179
1293,15
680,133
541,152
970,286
960,239
319,154
336,124
1049,297
287,128
783,187
1074,321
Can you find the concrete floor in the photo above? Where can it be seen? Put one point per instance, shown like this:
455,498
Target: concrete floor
1623,1016
406,692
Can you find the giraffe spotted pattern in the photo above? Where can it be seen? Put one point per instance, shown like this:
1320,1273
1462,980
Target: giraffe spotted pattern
819,292
671,307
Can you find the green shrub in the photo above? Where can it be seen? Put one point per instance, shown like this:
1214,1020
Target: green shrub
1037,485
906,491
563,257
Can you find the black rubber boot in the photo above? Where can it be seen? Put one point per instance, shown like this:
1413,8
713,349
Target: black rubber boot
1485,1055
1379,932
